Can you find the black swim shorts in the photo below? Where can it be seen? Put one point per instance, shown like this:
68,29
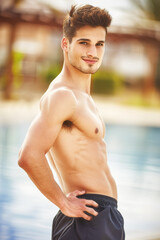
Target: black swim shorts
107,225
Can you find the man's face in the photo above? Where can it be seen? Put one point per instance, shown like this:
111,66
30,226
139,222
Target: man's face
85,52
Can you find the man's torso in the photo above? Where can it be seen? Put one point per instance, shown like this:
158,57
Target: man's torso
79,153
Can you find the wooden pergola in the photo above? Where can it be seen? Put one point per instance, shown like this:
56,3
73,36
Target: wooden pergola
13,17
150,38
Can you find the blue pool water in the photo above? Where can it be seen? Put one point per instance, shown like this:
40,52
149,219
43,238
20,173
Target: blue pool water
134,159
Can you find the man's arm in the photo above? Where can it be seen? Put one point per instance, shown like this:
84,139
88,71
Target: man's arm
56,108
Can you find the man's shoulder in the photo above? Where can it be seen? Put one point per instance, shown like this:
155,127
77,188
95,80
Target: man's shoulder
60,94
58,98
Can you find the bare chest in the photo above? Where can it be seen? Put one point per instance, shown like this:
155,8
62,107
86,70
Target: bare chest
88,120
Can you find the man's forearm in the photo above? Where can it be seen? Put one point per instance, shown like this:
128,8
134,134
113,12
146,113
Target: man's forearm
40,173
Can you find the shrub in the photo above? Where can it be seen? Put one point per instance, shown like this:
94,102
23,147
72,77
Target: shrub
107,82
49,72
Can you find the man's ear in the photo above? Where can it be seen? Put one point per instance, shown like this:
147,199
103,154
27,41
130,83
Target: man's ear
64,44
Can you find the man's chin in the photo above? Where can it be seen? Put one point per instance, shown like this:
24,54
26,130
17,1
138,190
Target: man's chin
89,71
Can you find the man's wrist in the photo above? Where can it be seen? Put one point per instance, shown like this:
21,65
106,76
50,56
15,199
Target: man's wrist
62,202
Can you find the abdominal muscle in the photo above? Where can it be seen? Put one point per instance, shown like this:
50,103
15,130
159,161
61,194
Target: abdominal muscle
81,164
94,182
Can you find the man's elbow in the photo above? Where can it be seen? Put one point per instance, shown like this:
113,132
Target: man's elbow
24,159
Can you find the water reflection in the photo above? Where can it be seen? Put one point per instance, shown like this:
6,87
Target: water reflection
134,157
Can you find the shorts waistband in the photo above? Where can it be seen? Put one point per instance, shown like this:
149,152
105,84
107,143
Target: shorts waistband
102,200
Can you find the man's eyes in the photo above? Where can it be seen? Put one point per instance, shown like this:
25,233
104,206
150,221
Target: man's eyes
98,44
83,43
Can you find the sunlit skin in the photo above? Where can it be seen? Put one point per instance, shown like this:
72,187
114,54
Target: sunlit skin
84,49
70,131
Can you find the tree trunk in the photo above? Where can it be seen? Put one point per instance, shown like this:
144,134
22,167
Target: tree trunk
9,71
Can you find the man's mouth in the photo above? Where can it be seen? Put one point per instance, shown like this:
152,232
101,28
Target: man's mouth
90,60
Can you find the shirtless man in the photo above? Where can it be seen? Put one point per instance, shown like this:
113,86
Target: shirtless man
70,131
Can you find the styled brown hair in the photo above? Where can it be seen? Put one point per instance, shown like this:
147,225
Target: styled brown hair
82,16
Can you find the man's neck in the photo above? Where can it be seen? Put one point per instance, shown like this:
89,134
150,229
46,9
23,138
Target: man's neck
76,79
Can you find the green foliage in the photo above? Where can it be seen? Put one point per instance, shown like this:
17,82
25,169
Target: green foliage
154,8
107,82
150,7
17,59
49,72
16,68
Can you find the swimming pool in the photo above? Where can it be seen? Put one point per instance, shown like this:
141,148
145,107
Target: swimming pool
134,159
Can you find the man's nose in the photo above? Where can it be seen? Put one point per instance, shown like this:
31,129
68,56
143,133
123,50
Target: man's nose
92,51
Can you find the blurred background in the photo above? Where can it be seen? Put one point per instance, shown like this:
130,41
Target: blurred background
126,89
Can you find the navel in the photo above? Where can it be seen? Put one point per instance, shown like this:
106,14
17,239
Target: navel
96,130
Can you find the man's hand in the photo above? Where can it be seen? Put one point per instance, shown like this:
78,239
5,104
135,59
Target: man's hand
76,207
